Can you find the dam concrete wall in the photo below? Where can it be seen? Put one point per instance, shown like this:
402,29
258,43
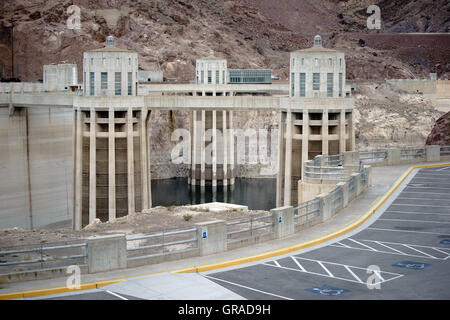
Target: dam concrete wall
36,168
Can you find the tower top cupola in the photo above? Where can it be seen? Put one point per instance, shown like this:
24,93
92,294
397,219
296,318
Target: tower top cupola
110,42
318,41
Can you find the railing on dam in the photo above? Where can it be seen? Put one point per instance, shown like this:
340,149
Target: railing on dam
161,243
249,226
306,212
40,256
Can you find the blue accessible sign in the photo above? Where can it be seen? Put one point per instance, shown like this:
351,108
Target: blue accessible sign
445,241
411,265
327,291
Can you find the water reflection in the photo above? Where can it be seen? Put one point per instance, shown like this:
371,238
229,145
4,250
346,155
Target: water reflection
257,194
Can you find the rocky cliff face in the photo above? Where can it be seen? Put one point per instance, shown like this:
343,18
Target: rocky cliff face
171,34
440,135
388,117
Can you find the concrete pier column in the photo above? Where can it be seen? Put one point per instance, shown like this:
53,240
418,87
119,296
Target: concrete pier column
305,139
214,149
351,129
78,169
194,147
288,160
92,167
145,185
130,161
342,132
111,166
203,151
231,141
280,160
225,151
325,132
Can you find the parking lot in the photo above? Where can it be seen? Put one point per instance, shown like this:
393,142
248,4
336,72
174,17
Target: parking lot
405,253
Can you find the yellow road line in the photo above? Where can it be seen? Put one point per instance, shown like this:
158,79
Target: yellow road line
226,263
41,292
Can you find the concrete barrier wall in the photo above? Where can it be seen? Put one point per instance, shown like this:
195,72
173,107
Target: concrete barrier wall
443,89
414,85
35,167
19,87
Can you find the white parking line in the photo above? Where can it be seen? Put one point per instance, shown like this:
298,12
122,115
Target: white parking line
330,275
398,251
445,194
325,268
406,212
249,288
426,254
116,295
404,198
362,244
417,205
442,169
404,220
395,251
297,263
354,275
416,187
393,230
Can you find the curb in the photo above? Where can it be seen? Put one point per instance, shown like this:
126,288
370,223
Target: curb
42,292
284,250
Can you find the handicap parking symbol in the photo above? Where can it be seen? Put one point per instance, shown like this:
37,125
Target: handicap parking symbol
327,291
445,241
411,265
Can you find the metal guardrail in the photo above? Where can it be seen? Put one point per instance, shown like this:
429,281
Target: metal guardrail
332,160
306,211
249,227
337,199
351,187
325,172
41,256
445,151
372,156
412,153
161,243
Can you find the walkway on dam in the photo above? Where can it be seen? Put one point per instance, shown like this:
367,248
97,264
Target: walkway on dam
251,281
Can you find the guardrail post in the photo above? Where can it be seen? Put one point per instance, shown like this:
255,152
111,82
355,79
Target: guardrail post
368,176
433,153
283,221
358,188
106,253
351,158
344,188
325,205
393,156
211,237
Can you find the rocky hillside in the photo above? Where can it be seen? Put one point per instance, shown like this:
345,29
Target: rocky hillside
440,135
388,117
171,34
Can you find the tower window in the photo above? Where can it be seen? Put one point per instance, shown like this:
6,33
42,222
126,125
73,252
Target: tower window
302,84
117,83
329,84
316,81
104,80
92,83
